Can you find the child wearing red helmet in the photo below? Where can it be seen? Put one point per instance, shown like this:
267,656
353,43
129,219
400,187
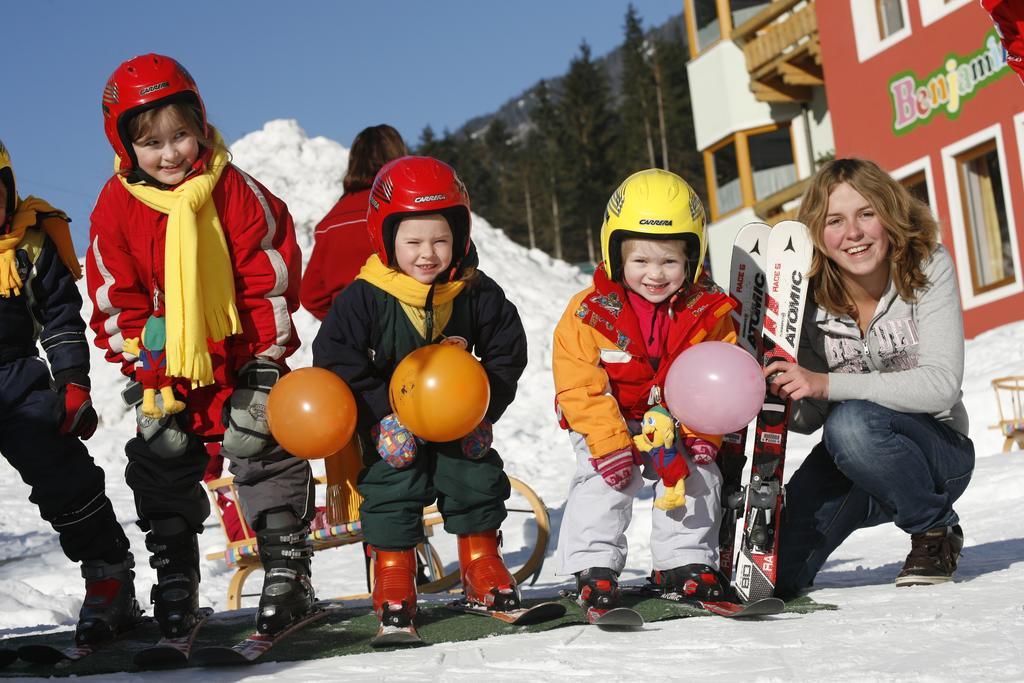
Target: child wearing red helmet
47,418
190,248
422,286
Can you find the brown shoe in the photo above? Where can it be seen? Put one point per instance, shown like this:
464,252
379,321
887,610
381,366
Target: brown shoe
933,557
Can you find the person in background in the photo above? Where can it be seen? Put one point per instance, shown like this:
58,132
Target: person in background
1008,17
341,240
880,368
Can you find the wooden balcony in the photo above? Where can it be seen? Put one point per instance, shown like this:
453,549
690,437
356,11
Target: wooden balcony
771,207
782,50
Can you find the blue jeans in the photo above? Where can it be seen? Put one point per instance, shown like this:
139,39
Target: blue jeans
874,465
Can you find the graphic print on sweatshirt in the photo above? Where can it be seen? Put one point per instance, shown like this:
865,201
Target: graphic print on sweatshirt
896,341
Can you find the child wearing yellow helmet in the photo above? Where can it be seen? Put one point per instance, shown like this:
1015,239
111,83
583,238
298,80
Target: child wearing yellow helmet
612,350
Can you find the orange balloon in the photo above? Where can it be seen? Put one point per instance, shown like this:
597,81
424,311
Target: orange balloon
440,392
312,413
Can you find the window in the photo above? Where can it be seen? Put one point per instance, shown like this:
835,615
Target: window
744,9
771,161
749,166
890,17
985,218
725,167
917,185
705,16
933,10
878,25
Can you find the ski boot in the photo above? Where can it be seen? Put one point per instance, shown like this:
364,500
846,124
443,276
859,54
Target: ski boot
598,587
110,606
694,581
394,586
175,556
485,578
285,552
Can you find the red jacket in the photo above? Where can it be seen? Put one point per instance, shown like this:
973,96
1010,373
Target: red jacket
125,273
1008,16
341,247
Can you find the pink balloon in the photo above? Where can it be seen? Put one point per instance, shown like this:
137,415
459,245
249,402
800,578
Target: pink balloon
714,388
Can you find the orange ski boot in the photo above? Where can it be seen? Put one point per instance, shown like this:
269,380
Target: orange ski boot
486,580
394,586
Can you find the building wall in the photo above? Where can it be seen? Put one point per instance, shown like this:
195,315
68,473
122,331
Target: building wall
873,116
720,95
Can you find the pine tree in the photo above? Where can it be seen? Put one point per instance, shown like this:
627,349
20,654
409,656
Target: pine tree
685,159
550,139
590,126
636,106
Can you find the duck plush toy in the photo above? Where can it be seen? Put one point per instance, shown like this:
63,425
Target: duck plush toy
658,436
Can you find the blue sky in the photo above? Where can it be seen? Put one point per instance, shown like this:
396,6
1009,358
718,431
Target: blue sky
336,67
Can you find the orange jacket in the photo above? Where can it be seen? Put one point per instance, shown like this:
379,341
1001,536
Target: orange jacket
600,383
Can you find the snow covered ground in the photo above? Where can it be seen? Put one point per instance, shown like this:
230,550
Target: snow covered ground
972,629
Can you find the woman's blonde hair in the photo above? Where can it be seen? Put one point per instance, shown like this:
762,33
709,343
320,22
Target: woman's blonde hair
908,222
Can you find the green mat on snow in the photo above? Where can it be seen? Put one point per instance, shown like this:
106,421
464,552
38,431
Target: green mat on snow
345,631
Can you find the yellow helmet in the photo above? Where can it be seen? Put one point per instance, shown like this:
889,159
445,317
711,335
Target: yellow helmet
654,204
7,180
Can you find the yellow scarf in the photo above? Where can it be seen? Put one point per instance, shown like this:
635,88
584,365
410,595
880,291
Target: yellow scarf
56,227
412,294
199,285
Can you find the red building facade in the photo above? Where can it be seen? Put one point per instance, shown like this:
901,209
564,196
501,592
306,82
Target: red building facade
923,88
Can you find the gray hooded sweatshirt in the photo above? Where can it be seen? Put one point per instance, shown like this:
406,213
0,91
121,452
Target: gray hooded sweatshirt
911,360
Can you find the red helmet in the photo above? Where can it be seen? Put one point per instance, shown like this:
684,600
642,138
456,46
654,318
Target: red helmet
139,84
417,185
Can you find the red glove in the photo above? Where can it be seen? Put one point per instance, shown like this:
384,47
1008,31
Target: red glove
702,452
78,417
616,468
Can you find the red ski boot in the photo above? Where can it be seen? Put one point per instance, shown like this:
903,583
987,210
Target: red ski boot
486,580
394,596
394,585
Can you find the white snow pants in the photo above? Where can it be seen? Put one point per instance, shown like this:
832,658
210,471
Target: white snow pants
593,530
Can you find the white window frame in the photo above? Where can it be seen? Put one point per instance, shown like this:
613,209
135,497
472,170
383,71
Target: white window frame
957,223
1018,126
933,10
916,166
866,30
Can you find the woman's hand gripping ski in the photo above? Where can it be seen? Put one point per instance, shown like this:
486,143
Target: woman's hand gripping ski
790,381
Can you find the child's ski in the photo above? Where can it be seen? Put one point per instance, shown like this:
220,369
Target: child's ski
615,619
388,635
60,656
611,619
761,607
171,652
788,261
747,286
517,617
252,648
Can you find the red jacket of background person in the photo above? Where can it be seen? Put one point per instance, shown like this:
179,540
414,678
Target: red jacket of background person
341,247
1008,16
